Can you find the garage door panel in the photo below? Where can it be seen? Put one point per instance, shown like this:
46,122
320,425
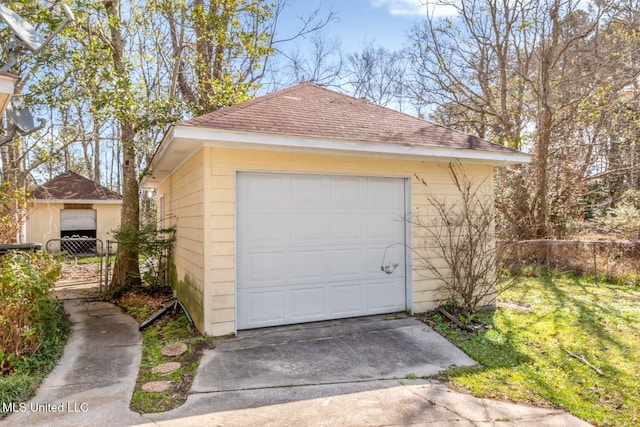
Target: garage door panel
77,219
345,226
384,192
264,307
383,296
262,268
307,303
346,300
346,192
382,227
344,263
265,227
307,264
267,191
308,191
321,247
308,227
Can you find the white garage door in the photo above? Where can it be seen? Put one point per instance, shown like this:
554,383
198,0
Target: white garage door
77,219
310,247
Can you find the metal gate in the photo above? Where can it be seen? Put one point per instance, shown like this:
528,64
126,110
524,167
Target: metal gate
82,263
154,256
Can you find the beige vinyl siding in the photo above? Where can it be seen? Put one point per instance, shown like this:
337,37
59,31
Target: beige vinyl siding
184,195
220,170
221,261
108,221
43,222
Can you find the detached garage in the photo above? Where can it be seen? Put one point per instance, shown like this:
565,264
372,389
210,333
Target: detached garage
70,205
295,207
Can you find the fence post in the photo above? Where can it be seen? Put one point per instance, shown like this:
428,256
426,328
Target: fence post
595,262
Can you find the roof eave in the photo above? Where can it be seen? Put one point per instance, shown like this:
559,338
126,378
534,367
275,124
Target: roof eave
181,142
7,87
79,201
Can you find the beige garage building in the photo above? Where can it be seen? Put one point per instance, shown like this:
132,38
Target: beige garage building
286,206
72,205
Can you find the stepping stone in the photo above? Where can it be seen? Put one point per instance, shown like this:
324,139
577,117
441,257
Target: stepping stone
165,368
174,350
157,386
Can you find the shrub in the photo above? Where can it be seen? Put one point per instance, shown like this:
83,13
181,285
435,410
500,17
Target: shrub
625,217
25,308
459,252
13,206
29,371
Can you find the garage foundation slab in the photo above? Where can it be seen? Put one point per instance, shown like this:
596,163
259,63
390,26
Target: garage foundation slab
331,352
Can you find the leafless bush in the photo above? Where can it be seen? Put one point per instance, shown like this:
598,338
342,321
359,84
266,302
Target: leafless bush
459,250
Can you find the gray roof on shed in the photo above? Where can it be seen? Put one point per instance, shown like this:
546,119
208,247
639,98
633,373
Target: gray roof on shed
308,110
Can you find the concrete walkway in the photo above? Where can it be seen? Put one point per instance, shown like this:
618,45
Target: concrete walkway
94,381
371,403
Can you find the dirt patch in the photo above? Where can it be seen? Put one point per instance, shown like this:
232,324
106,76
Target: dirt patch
514,305
78,281
142,304
71,272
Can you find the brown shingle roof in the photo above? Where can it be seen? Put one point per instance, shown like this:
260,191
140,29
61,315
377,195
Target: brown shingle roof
71,186
308,110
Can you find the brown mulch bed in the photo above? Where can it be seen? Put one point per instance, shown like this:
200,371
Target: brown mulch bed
142,303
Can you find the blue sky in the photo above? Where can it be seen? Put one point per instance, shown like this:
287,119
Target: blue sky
359,22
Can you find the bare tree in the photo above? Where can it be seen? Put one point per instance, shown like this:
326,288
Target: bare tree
532,76
468,63
377,75
321,64
459,249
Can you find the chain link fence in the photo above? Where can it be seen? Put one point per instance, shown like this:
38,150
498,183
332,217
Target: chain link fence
154,259
75,246
612,260
82,262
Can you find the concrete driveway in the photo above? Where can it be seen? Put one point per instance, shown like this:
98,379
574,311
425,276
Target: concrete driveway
360,349
353,372
330,373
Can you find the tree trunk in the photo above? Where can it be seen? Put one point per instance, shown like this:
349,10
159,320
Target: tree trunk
548,56
97,176
126,272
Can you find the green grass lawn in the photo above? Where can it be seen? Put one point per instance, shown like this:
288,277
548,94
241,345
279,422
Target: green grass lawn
558,341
